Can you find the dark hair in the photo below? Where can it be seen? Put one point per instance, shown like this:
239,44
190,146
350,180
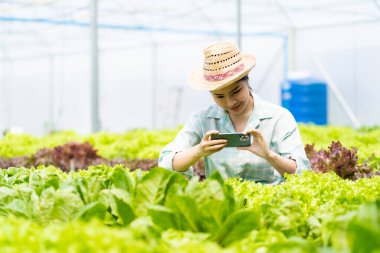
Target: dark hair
246,78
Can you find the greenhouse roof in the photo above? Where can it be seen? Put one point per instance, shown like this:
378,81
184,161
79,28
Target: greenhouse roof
40,27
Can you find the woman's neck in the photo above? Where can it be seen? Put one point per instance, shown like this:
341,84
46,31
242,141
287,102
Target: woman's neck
240,121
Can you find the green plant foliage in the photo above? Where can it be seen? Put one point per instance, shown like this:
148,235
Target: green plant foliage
115,209
161,211
366,140
148,143
363,231
301,205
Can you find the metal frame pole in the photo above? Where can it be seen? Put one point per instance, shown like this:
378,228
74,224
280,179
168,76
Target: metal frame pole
238,3
94,68
51,125
154,85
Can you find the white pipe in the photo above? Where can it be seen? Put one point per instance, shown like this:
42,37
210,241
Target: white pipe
333,87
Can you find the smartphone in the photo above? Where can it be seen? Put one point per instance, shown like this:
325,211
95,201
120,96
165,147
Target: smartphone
233,139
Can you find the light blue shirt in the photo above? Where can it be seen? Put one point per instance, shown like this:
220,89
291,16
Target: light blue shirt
277,125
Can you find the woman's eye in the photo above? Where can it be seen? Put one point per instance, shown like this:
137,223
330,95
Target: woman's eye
236,91
219,96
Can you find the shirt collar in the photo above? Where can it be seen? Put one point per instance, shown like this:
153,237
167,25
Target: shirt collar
260,110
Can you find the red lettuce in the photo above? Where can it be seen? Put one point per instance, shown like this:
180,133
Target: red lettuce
344,162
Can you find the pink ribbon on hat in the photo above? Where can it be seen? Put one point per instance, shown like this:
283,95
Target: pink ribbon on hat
219,77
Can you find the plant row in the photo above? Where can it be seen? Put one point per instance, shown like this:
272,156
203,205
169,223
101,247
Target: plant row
148,143
74,156
46,209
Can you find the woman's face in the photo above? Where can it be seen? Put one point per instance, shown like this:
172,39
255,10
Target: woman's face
234,98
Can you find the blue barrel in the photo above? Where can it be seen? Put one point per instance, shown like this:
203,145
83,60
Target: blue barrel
306,99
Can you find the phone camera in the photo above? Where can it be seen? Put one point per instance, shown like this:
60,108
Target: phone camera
244,138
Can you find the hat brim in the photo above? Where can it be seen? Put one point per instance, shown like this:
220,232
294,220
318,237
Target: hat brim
196,77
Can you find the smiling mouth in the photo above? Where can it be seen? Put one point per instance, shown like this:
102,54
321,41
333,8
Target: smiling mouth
234,108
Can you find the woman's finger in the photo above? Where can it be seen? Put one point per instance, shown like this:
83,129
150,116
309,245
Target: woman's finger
215,147
216,142
254,132
208,134
206,144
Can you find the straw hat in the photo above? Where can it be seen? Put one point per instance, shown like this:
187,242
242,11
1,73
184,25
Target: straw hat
223,65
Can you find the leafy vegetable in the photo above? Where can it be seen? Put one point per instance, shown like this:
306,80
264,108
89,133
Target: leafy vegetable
342,161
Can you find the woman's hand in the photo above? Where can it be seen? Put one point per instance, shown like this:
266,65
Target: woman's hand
259,146
183,160
207,146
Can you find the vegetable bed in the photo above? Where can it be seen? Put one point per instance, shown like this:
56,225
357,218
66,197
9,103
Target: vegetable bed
73,193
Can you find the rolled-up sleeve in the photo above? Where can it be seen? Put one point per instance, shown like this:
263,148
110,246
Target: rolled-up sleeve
289,142
187,137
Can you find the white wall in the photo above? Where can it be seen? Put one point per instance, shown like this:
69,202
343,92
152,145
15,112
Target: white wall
128,78
134,93
351,56
38,95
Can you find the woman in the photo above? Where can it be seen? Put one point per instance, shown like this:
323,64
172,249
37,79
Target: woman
276,148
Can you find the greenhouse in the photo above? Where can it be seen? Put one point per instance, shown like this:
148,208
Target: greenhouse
190,126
